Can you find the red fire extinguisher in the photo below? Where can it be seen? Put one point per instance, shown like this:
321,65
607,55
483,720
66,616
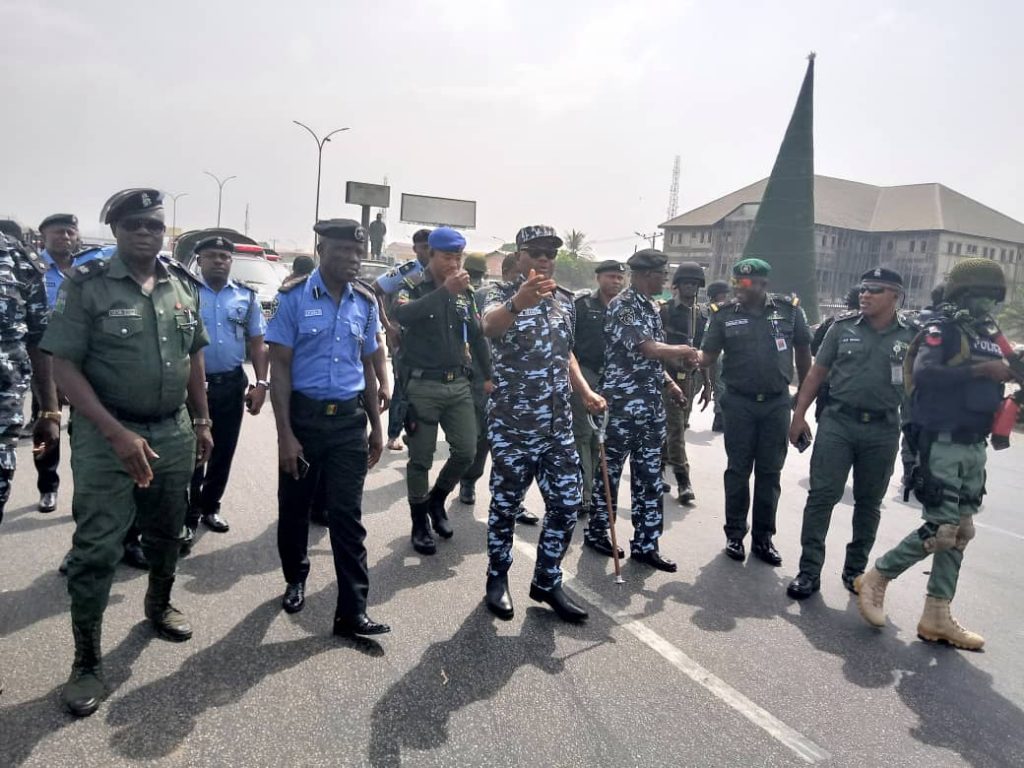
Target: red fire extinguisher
1006,416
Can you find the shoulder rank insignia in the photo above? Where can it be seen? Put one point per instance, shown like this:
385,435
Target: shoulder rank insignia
89,270
293,282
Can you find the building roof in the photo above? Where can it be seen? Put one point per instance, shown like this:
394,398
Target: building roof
867,208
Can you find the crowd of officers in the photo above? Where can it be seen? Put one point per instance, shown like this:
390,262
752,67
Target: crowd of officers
150,357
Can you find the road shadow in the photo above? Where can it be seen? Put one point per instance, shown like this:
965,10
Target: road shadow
473,665
956,705
153,721
24,726
29,523
44,598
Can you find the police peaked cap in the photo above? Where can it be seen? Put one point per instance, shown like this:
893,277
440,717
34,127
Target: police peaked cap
648,258
60,220
532,234
132,201
217,242
883,275
610,265
341,229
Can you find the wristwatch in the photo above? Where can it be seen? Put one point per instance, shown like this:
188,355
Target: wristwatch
510,305
51,415
202,423
263,383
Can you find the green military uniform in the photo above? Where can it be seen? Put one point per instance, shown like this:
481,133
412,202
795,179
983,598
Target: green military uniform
589,344
859,428
757,368
441,338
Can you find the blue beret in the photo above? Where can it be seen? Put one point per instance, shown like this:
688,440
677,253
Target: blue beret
446,239
219,243
341,229
59,219
882,275
648,258
131,201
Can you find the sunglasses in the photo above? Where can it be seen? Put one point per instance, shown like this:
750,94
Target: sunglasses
542,253
874,290
152,226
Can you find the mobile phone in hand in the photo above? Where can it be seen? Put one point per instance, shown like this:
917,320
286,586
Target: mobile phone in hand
303,466
803,443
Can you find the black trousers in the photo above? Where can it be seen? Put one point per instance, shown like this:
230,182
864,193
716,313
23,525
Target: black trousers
47,480
225,394
336,449
483,447
756,439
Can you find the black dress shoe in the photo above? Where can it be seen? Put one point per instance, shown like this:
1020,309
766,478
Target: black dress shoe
734,548
134,556
849,581
294,597
360,624
686,495
802,587
188,540
602,544
655,560
216,523
63,567
497,598
526,518
566,609
765,550
467,493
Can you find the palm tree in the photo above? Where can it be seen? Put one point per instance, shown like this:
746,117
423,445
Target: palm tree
576,245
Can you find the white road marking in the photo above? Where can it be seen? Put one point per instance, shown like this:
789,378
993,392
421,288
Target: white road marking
997,529
804,748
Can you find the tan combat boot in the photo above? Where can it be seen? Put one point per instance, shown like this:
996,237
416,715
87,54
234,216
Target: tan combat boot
937,625
870,589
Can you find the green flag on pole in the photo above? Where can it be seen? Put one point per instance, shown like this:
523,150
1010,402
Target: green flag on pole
783,233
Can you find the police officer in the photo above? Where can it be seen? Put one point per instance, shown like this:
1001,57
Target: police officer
632,383
233,319
476,266
958,372
861,360
441,339
759,332
378,229
530,322
133,444
407,274
23,316
322,339
589,348
684,321
718,293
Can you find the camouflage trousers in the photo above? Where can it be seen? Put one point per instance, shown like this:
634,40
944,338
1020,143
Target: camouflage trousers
641,443
15,379
517,458
677,421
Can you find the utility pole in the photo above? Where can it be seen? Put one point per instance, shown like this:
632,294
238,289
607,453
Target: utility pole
174,216
220,191
652,237
246,219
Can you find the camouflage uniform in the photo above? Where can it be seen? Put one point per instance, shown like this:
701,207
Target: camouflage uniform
23,314
632,385
529,427
683,325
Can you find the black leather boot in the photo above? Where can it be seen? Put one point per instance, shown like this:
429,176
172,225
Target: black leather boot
438,515
422,540
168,621
84,690
498,599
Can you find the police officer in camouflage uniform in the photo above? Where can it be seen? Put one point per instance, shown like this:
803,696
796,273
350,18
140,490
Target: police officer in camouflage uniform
958,372
632,383
684,321
759,333
441,342
861,361
133,444
718,293
23,316
530,322
589,348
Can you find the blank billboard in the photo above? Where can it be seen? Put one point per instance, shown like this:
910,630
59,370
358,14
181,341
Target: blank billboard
375,195
438,211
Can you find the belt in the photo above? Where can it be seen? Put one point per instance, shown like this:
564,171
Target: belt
326,407
140,418
862,415
959,436
439,374
229,377
758,397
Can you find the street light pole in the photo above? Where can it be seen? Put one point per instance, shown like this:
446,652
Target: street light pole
220,191
319,164
174,214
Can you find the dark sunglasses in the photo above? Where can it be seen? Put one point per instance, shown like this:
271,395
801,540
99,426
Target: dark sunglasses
152,226
874,290
542,253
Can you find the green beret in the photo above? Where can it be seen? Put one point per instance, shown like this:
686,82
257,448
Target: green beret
751,268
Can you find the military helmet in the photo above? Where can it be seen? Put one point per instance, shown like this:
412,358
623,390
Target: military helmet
475,262
975,273
688,270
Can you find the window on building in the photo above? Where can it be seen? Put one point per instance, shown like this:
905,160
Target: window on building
971,249
949,247
1002,254
890,245
958,247
824,240
912,244
833,241
924,246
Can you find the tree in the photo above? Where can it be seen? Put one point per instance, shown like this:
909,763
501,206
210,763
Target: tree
1011,320
576,245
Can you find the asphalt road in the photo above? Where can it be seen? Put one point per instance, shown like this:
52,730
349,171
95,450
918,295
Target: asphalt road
712,666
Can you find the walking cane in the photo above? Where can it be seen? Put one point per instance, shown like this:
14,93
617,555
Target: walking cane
601,430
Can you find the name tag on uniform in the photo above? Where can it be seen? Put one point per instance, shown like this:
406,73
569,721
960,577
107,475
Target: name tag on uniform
896,376
780,344
737,321
124,312
532,311
313,312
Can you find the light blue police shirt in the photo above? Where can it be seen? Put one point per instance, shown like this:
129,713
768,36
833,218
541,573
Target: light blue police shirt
231,316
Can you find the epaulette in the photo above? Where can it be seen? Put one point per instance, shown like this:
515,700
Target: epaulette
177,269
565,292
247,286
359,287
787,298
293,281
718,307
89,270
848,314
87,251
37,263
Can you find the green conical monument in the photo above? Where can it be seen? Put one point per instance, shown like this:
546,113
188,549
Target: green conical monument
783,233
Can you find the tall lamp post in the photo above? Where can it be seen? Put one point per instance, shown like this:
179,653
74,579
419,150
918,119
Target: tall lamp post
174,216
220,191
319,163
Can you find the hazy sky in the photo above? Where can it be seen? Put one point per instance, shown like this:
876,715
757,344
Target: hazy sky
567,113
